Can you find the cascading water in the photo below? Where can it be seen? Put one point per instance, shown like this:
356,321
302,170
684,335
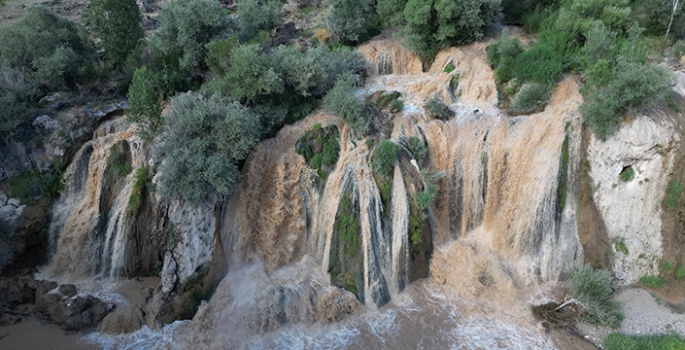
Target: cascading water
90,221
503,220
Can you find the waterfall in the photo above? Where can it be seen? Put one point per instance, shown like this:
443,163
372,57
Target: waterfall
399,218
90,222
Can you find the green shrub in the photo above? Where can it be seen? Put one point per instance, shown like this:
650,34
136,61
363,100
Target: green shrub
117,23
187,26
255,16
620,245
680,272
415,231
540,64
678,49
341,101
435,25
139,184
119,163
651,281
31,184
449,68
616,341
666,266
592,288
673,194
41,52
145,102
438,109
417,148
351,20
531,97
385,156
390,12
655,15
627,175
632,85
425,198
203,140
250,75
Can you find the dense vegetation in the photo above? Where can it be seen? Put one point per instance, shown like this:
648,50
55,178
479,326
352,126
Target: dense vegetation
592,289
617,341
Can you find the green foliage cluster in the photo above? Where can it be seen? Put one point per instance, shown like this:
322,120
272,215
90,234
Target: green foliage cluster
285,82
565,159
139,186
417,148
255,16
342,101
438,109
145,102
627,174
325,140
39,53
680,272
187,26
616,341
592,288
531,97
349,227
117,23
620,245
651,281
672,195
385,157
118,162
415,232
31,184
203,140
678,49
352,21
437,24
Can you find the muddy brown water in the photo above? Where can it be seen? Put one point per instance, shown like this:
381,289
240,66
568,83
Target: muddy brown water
33,335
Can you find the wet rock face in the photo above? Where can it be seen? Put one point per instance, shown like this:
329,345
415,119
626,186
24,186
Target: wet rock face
72,313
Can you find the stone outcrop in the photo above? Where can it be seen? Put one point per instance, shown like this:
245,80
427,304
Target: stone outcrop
64,307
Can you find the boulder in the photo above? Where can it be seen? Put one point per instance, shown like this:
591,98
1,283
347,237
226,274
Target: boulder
72,313
3,199
14,201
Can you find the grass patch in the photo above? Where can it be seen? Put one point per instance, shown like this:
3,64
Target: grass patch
454,83
449,68
349,227
565,159
620,245
385,157
627,175
672,195
616,341
592,288
415,231
680,272
654,282
117,160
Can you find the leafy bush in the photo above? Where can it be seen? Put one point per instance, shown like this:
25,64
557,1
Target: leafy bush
144,99
627,174
651,281
342,102
417,148
680,272
679,49
655,15
38,53
434,25
616,341
438,109
187,26
117,23
632,85
254,16
592,288
31,184
351,20
139,184
203,140
390,12
531,97
540,64
385,156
